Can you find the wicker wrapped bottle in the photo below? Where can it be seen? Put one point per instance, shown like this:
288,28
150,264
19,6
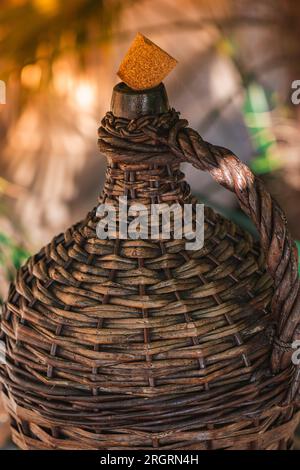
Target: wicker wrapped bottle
143,344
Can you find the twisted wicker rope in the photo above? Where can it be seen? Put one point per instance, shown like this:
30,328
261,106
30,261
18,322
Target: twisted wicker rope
165,133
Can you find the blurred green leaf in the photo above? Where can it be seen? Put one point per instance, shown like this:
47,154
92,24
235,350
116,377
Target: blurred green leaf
19,256
4,239
256,110
12,255
265,164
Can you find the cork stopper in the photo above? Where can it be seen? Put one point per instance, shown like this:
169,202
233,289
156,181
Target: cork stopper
145,64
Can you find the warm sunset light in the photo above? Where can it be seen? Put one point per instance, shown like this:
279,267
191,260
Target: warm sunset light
31,76
84,94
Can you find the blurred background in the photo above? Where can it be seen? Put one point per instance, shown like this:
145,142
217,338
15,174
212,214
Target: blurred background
58,59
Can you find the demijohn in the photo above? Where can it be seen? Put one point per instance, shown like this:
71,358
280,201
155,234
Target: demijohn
142,343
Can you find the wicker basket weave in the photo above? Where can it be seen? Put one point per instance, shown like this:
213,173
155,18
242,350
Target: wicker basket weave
141,344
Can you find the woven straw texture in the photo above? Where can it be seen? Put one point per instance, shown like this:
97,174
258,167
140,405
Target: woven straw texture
142,344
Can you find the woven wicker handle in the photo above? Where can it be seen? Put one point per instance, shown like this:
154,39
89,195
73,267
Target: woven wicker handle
278,246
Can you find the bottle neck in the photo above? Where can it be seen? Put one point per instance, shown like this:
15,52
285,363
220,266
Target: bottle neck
140,164
145,183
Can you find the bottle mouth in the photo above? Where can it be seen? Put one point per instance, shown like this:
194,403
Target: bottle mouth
131,104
